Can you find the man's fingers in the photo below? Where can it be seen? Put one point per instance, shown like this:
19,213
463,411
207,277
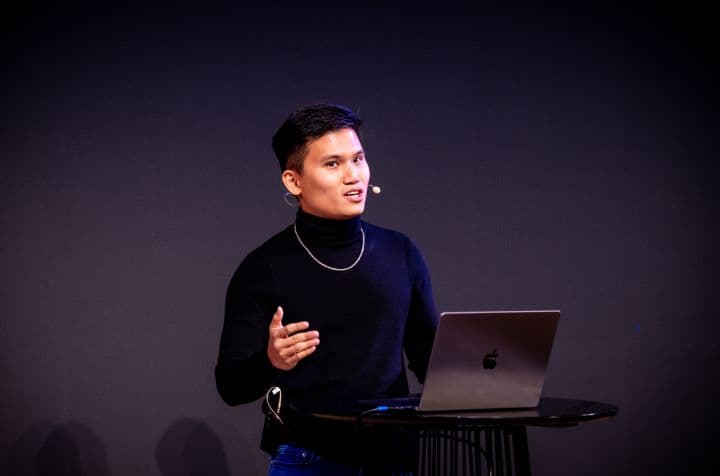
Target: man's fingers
298,351
302,336
295,327
304,344
290,344
301,348
287,331
302,354
293,359
276,321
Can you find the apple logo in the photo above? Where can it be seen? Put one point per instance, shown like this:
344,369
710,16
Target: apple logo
490,360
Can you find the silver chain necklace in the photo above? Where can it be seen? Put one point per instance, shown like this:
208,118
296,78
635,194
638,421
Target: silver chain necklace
331,268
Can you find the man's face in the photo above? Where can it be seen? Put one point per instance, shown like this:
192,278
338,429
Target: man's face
334,178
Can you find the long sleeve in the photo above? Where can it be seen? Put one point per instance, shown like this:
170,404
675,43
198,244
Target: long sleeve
367,316
243,372
422,315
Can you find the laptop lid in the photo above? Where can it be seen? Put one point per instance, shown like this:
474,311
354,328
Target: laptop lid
486,360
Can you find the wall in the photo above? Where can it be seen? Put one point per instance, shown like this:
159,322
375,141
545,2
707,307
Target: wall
541,157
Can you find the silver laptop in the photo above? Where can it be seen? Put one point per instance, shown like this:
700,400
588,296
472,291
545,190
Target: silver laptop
487,360
483,360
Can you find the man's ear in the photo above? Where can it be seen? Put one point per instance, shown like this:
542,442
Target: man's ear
291,180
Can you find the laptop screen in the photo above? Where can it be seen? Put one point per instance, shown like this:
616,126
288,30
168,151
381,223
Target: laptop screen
489,360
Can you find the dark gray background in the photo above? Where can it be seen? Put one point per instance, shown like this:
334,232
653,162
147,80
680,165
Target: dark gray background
540,156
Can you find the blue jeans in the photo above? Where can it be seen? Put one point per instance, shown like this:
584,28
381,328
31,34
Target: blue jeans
290,460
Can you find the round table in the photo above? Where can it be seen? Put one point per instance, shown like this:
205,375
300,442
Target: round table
489,442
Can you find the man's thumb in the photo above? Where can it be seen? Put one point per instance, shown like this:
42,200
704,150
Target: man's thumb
277,318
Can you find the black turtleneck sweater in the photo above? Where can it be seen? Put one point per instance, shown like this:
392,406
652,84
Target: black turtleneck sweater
366,316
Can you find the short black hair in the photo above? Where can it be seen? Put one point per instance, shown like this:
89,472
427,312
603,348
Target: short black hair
308,123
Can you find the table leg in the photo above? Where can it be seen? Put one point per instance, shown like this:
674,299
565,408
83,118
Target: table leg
465,452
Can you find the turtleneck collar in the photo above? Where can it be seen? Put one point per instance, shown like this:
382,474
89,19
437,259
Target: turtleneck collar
327,231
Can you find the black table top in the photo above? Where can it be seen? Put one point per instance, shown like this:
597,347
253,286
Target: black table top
549,412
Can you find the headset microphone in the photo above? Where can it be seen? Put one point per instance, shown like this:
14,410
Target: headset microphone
375,189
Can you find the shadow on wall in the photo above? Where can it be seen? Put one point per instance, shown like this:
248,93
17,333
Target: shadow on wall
190,448
70,449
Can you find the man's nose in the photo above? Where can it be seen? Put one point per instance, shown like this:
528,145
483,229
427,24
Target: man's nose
352,174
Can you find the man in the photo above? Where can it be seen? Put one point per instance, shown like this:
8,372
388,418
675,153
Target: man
319,316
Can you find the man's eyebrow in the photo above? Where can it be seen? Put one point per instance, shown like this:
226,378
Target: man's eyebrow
330,156
340,156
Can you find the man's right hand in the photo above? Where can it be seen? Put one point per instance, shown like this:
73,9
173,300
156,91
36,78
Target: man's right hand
289,344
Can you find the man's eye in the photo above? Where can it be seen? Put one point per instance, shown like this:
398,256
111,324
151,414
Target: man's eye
332,163
359,158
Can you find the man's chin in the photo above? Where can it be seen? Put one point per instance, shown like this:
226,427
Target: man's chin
356,211
349,214
339,213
